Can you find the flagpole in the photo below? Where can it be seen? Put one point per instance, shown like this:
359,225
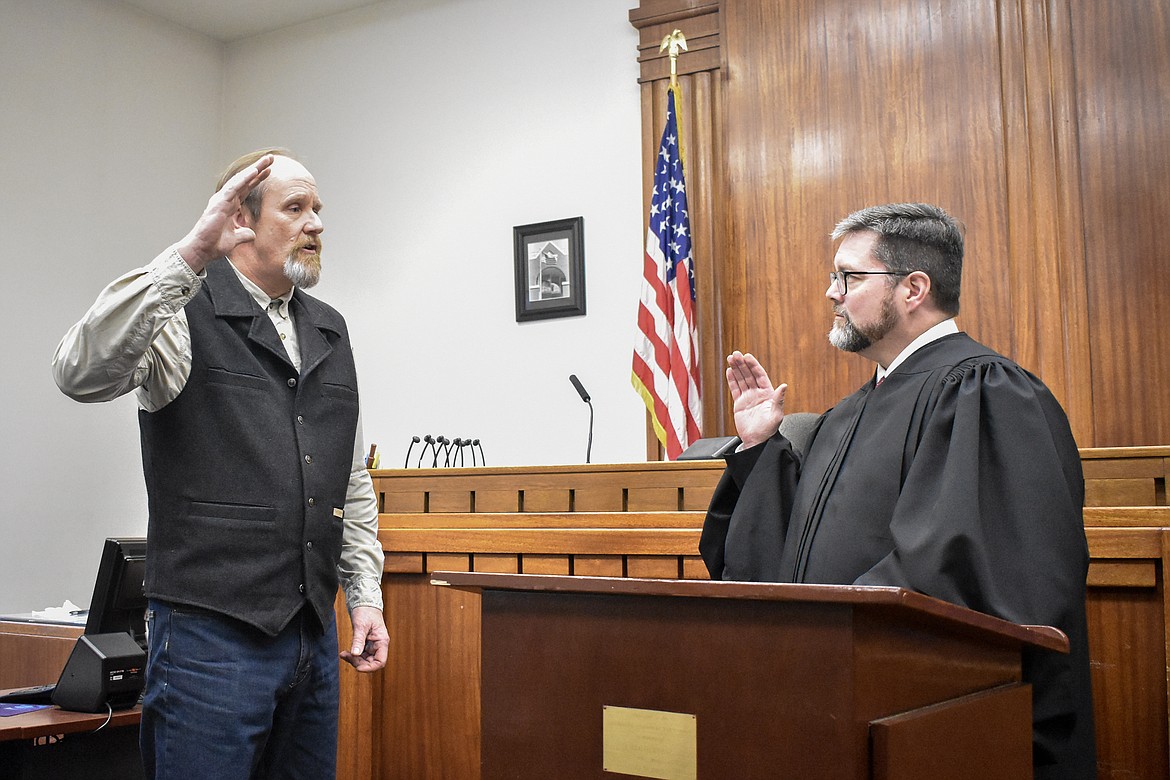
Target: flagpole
673,44
665,369
675,41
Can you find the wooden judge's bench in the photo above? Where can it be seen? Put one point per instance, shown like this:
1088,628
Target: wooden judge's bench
420,717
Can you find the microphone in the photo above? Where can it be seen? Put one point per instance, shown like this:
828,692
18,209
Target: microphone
440,440
584,397
430,440
580,388
472,443
413,441
462,462
453,452
482,459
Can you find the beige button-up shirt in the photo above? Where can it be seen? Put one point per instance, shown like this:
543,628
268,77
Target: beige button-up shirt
135,337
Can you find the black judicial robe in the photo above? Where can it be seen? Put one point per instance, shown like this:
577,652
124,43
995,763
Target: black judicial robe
958,477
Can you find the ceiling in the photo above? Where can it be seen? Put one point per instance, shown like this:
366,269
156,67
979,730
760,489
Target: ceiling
229,20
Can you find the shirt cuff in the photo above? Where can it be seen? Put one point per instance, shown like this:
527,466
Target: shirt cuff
176,283
363,591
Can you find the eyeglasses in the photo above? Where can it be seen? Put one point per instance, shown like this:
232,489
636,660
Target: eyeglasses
840,279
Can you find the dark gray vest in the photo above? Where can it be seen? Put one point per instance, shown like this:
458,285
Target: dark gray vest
247,469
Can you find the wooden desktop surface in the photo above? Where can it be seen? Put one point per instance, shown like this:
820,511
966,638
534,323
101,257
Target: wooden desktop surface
52,721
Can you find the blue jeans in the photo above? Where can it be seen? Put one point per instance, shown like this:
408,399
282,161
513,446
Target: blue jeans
225,700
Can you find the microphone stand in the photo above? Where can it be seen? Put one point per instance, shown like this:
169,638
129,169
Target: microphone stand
413,441
430,440
589,447
584,397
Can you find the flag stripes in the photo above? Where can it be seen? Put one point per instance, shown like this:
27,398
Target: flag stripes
666,354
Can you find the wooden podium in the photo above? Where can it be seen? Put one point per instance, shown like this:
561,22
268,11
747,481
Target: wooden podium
588,677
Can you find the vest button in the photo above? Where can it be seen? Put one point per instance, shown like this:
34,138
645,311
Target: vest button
312,501
308,459
301,587
300,419
292,382
309,545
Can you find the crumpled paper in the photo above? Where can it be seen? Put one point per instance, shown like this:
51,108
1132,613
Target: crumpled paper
67,611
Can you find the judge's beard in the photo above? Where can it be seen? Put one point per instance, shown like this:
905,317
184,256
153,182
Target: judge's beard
848,336
303,271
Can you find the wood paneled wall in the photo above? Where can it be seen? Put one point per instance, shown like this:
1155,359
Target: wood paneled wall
1041,124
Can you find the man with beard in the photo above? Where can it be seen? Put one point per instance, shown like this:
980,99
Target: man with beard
259,501
952,472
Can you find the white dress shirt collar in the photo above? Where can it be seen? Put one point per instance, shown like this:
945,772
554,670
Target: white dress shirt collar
944,328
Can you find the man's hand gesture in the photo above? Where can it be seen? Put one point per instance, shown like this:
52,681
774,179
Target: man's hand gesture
758,406
371,641
217,232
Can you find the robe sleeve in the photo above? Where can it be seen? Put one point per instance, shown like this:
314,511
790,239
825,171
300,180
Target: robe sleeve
742,540
989,517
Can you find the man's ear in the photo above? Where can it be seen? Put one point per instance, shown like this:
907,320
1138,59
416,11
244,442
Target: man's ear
917,289
242,218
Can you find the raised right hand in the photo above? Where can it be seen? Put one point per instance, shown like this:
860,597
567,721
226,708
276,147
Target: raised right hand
217,232
758,406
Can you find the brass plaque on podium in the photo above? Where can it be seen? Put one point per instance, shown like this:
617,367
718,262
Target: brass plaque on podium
649,743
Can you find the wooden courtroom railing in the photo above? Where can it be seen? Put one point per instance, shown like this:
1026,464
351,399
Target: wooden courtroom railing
419,718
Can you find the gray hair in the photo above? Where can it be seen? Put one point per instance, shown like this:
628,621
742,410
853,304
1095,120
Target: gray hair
254,197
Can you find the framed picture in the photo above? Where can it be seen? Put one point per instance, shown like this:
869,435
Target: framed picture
550,269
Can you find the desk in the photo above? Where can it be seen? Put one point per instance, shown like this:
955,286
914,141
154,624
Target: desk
53,743
34,653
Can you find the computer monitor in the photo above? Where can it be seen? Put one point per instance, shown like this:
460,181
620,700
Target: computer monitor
119,603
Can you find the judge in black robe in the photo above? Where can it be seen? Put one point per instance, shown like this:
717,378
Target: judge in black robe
957,477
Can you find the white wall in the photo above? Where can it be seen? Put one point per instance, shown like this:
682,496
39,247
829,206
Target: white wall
427,147
108,146
432,129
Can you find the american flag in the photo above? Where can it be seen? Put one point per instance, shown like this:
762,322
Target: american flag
666,352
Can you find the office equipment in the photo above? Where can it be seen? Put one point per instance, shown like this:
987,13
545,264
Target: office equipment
107,667
119,603
37,694
105,671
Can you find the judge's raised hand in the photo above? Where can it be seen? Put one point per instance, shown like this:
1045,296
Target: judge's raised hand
218,231
758,406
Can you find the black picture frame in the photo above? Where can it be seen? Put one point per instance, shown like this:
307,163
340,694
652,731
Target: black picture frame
550,269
